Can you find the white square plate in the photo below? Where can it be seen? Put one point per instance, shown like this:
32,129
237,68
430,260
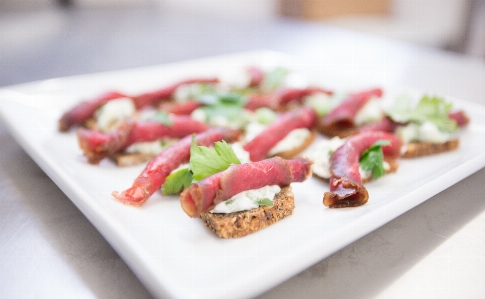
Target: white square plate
176,256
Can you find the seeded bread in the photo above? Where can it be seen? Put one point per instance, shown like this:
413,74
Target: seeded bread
418,149
289,154
240,224
341,132
394,165
130,159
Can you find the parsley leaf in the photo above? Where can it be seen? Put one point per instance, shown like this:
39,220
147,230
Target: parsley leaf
226,104
265,116
162,117
177,181
265,202
205,161
229,111
373,159
433,109
274,79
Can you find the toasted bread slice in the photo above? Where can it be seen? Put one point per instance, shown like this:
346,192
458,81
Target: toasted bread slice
240,224
418,149
295,151
341,132
130,159
394,165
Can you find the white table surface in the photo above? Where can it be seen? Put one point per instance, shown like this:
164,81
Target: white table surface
48,249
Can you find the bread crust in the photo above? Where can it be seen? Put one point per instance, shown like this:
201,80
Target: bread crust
394,165
338,131
295,151
130,159
419,149
240,224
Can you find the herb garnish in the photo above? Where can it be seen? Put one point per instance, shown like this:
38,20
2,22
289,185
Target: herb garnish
373,159
205,161
433,109
177,181
162,117
265,202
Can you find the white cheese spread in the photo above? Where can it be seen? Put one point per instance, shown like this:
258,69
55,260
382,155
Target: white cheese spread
246,200
240,152
237,79
430,132
369,113
150,147
321,102
321,156
292,140
426,132
110,114
187,92
222,121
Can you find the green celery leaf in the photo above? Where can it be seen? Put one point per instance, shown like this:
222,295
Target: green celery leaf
205,161
208,99
177,181
216,98
265,202
229,111
373,159
382,142
232,97
273,79
265,116
162,117
226,152
433,109
229,105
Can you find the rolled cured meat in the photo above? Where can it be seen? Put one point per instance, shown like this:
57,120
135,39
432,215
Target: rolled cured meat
279,99
260,146
84,110
200,197
346,187
341,120
98,145
156,171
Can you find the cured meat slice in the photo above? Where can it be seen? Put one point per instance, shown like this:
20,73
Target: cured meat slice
279,99
152,98
386,124
156,171
97,145
84,110
256,76
346,187
260,146
340,121
204,195
459,117
184,108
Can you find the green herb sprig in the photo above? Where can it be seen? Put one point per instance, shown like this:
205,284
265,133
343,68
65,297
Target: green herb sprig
206,161
162,117
373,159
433,109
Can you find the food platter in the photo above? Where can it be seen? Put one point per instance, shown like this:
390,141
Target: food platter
176,256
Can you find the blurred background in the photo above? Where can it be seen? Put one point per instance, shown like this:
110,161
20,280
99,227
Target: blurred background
455,25
386,41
